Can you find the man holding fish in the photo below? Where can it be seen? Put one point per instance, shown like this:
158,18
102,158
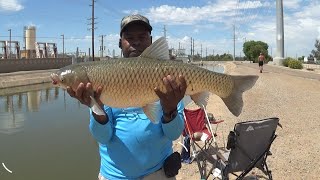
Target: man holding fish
125,94
131,146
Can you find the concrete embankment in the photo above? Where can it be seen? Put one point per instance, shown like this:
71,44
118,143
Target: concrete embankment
23,78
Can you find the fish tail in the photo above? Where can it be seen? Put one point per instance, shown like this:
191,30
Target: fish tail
234,101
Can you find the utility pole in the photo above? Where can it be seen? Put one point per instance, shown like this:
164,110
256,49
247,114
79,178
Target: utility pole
102,48
164,31
77,52
62,45
201,52
25,38
9,44
234,42
213,53
191,57
92,28
278,60
206,53
193,46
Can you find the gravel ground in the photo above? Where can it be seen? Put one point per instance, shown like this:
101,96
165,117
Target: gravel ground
279,92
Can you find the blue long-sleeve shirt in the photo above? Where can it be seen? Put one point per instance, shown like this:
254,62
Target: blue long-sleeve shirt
130,145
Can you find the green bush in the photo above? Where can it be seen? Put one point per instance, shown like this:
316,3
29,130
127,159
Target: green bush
295,64
286,62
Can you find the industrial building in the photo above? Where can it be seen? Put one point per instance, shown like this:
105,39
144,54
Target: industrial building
32,49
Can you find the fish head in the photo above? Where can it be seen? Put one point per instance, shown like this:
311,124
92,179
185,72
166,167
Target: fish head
66,77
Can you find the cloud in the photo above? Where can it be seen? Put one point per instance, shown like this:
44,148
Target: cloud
10,5
301,28
211,12
256,20
291,4
130,11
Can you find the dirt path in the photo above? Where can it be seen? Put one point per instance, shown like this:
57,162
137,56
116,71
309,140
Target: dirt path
294,97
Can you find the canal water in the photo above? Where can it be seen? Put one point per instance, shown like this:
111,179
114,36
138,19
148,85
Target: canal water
44,135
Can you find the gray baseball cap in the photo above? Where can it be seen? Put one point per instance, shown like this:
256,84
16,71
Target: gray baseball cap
135,18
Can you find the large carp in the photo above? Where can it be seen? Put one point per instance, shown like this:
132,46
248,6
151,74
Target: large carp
130,82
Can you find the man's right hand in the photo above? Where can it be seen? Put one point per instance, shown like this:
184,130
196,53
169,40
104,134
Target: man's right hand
83,93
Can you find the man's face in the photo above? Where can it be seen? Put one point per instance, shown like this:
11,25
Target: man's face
135,39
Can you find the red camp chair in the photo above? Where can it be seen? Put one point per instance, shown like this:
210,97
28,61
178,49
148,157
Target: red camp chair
198,128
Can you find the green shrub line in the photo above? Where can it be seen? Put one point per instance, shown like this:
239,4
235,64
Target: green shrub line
292,63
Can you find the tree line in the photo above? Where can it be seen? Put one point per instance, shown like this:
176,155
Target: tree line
252,50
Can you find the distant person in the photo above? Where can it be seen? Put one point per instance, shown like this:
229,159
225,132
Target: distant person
261,60
130,145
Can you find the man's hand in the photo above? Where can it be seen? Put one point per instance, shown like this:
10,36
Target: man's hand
83,93
174,93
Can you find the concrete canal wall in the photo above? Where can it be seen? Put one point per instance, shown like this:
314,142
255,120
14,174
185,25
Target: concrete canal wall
22,78
21,72
14,65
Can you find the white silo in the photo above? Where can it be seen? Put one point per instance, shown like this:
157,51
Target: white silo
30,38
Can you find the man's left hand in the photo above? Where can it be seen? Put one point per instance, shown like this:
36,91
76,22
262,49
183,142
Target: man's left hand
174,93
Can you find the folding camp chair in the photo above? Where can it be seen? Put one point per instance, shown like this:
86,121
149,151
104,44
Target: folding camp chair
249,144
198,128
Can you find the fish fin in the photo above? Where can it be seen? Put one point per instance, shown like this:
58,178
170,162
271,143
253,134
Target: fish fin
96,108
234,101
157,50
186,100
152,111
201,99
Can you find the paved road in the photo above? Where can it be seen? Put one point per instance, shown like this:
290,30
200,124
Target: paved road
285,70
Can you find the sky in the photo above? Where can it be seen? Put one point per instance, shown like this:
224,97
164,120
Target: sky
209,23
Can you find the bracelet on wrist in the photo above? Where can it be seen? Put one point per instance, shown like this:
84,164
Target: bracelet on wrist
171,115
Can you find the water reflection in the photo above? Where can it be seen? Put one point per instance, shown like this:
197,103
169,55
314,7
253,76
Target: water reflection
11,121
33,100
14,106
44,135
